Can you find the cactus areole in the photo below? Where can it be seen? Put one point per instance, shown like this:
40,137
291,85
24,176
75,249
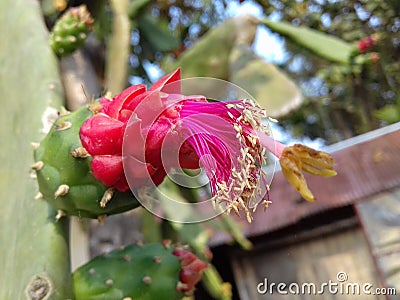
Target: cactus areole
134,139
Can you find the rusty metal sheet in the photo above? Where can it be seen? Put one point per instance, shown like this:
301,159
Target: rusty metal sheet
364,168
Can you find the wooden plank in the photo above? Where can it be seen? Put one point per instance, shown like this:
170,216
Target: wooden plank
315,261
380,218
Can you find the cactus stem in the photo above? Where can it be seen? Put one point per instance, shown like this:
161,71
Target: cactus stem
63,125
180,286
60,214
80,152
127,258
62,190
157,259
147,280
40,287
92,271
108,194
167,243
109,282
101,219
39,196
35,145
37,166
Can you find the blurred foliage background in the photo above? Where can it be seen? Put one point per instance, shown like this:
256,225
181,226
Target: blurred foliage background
341,99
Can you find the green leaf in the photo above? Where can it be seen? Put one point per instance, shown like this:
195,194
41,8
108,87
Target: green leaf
273,89
209,57
389,113
157,34
225,53
322,44
34,246
136,6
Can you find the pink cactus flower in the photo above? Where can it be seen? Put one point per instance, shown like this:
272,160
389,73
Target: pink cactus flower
164,129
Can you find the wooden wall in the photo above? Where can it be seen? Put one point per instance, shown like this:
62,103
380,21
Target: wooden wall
317,261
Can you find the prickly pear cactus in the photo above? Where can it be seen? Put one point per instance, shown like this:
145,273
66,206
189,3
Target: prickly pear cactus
63,173
71,30
140,272
34,257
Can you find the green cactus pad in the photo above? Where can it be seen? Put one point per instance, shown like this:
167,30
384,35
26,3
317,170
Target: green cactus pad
136,272
71,30
65,181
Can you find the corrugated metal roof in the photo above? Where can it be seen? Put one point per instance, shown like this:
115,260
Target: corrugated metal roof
366,165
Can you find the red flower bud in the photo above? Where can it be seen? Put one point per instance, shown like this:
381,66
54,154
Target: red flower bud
192,268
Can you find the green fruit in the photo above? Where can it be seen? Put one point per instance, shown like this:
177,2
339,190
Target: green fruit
64,176
136,272
71,30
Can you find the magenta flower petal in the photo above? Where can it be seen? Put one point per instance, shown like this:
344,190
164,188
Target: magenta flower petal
107,168
122,185
134,145
137,171
188,158
102,135
165,85
113,107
